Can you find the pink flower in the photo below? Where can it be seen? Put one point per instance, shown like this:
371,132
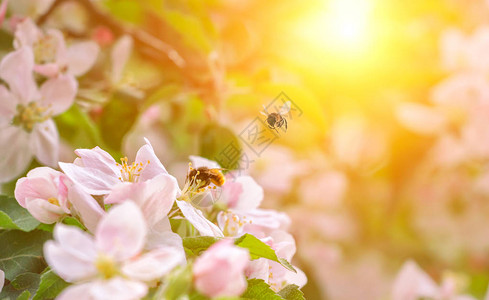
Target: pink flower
49,195
44,193
219,272
413,283
2,279
51,55
155,196
97,172
25,114
112,264
3,11
276,275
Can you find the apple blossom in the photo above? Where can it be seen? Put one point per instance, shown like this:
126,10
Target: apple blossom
51,55
25,113
97,172
219,271
413,283
113,262
49,196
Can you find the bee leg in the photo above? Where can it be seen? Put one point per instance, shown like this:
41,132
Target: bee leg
285,121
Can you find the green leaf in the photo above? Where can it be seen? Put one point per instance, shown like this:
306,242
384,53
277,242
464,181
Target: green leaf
259,249
21,287
195,245
51,285
259,289
76,127
26,281
14,216
291,292
118,116
177,284
216,143
73,222
24,296
190,28
21,252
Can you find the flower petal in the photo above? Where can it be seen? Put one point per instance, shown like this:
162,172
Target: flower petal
26,33
86,207
45,143
122,232
118,288
161,235
81,57
16,69
58,94
44,211
412,282
7,106
67,266
198,161
75,241
16,153
158,192
39,183
119,55
92,180
196,218
420,118
2,279
152,165
99,159
48,70
242,194
154,264
76,291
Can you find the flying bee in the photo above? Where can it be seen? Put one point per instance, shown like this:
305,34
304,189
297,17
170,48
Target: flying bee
205,176
277,120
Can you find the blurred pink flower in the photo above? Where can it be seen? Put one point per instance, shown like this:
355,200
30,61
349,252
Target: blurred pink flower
51,55
413,283
158,192
120,54
112,264
465,52
98,173
3,11
276,275
25,114
219,271
2,279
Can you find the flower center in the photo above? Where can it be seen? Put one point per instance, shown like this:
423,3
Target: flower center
130,173
45,50
233,223
28,115
54,201
106,266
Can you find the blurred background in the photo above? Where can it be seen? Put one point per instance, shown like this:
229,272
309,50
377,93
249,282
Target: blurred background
386,156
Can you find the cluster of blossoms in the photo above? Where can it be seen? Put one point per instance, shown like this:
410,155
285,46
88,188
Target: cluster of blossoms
127,210
26,109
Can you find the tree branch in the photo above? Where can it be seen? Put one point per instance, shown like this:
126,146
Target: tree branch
146,43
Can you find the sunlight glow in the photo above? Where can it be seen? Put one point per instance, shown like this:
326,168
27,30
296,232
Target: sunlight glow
342,25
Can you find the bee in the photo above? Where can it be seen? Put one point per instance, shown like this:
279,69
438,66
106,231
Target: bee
277,120
205,176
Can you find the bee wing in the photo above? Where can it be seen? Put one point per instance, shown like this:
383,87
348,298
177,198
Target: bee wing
285,108
264,111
